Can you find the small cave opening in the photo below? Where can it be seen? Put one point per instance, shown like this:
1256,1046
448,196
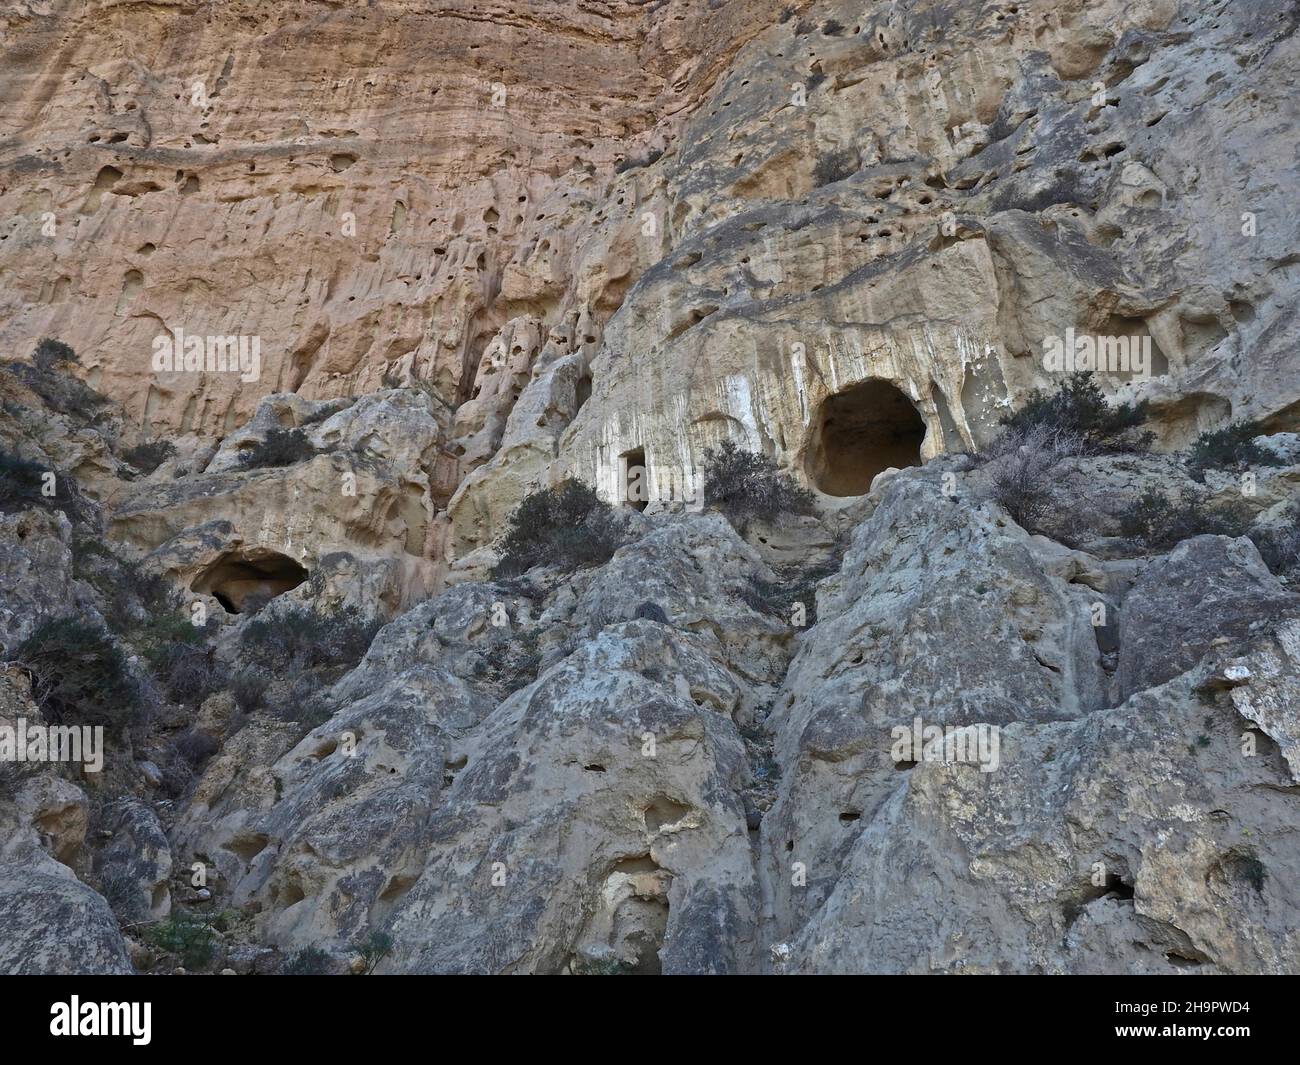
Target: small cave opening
581,392
860,431
240,579
634,489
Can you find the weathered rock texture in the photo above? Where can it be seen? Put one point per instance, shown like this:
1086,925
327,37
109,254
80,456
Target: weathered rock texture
485,246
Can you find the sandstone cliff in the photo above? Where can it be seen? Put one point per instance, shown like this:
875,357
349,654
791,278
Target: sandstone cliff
483,248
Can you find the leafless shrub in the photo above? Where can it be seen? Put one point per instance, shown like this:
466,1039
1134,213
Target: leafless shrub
1024,461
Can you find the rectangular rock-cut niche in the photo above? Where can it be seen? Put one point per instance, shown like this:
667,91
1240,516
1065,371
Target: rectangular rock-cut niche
633,479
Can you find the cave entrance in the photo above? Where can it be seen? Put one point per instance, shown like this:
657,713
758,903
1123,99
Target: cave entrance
634,481
240,579
859,432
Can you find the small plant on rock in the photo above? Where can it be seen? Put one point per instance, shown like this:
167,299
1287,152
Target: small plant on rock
80,676
303,638
1023,472
747,486
1230,448
374,949
59,391
50,353
309,961
834,166
1159,521
148,456
186,937
567,525
1079,406
282,447
22,486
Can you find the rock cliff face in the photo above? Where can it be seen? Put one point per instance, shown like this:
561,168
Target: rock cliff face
988,697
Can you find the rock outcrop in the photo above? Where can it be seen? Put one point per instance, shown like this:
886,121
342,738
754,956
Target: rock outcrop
964,697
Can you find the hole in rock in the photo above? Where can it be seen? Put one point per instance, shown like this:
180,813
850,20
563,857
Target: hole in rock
248,845
635,487
859,432
257,573
582,391
664,811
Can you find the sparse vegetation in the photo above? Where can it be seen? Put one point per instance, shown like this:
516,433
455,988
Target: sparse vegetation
303,638
309,961
249,687
374,949
148,456
1159,521
80,676
1023,476
834,166
566,526
188,938
1079,407
50,353
58,390
282,447
747,486
511,662
22,486
796,584
1230,448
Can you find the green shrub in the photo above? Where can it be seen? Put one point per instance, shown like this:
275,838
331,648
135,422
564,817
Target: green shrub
1079,406
80,676
566,526
59,391
601,967
50,353
282,447
374,949
184,936
1158,521
746,485
148,456
303,638
21,484
1230,448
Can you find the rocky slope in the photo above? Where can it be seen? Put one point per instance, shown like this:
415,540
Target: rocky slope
488,247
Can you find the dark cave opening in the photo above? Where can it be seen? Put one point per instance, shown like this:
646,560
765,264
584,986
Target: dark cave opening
860,431
257,574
